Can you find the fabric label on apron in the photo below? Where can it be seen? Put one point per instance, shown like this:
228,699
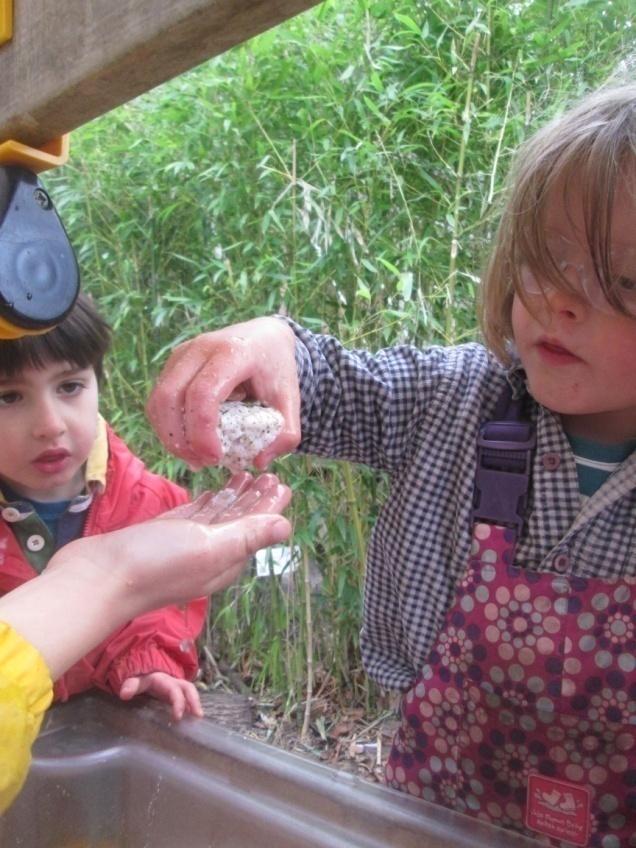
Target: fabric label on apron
558,809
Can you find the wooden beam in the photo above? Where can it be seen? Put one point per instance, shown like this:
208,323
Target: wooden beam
69,62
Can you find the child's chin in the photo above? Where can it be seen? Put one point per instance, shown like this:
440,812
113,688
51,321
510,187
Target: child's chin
560,396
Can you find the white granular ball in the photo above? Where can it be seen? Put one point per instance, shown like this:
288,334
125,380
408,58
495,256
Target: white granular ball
245,429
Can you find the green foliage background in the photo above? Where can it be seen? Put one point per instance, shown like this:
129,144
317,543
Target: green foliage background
344,168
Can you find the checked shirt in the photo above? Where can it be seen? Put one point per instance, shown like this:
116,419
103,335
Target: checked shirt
416,414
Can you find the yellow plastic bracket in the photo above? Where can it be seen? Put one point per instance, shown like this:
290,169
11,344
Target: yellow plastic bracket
6,20
10,331
36,159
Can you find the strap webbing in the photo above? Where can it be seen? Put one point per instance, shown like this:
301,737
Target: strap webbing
504,464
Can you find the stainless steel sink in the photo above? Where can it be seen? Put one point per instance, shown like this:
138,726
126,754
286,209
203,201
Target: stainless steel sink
109,775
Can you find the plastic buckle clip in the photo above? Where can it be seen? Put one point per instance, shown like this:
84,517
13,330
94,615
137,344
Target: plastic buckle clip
504,465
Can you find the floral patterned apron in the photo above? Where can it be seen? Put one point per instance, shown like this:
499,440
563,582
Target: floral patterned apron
525,713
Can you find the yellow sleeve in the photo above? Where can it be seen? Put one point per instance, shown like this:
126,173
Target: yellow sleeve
26,691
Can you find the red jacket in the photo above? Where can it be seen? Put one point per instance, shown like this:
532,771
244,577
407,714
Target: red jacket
162,640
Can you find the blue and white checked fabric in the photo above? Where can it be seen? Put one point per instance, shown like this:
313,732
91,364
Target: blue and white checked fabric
416,415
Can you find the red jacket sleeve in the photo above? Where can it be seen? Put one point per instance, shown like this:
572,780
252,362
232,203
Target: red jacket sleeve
163,640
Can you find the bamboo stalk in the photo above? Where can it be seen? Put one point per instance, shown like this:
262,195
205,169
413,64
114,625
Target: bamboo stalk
500,138
355,517
292,260
450,328
405,202
310,646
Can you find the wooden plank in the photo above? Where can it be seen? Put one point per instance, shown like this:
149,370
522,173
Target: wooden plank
72,61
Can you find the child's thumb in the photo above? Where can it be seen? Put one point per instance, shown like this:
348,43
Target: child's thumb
129,688
236,541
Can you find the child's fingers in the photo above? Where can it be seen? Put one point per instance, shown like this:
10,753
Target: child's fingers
275,499
243,495
164,687
177,700
229,365
222,500
255,359
197,510
183,407
264,497
192,699
239,482
166,405
209,504
205,507
245,500
130,688
272,496
289,437
187,510
182,695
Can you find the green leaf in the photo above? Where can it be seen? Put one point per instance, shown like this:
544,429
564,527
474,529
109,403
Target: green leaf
408,22
373,108
405,284
363,291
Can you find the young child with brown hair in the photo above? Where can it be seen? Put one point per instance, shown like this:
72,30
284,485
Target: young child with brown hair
64,474
500,593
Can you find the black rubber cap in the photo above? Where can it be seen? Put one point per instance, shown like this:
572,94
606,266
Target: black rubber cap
39,275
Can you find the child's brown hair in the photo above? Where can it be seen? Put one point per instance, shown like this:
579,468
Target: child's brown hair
82,339
592,147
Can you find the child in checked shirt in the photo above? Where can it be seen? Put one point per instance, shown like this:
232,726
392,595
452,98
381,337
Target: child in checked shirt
500,592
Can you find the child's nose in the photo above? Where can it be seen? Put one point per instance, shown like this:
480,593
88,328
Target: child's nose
569,303
47,420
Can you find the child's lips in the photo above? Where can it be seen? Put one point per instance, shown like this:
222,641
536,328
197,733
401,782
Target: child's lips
51,461
555,353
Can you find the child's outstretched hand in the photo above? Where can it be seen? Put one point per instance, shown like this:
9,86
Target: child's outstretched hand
242,495
182,695
254,360
166,560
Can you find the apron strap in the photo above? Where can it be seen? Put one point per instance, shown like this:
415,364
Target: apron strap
504,463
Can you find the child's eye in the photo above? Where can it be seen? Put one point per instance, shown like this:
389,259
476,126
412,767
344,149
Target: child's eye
626,286
71,387
9,398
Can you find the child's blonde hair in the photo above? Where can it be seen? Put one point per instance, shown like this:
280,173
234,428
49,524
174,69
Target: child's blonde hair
590,147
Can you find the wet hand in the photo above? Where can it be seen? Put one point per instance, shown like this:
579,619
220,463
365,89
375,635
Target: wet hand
254,360
196,549
242,495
